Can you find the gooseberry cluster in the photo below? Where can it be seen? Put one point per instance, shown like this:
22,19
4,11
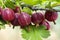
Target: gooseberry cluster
18,18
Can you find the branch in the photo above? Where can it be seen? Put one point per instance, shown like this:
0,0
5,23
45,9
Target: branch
31,7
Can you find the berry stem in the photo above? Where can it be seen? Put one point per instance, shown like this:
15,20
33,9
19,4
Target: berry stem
29,28
54,22
37,25
8,23
13,26
19,10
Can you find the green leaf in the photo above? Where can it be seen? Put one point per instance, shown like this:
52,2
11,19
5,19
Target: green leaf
17,2
0,3
44,33
10,4
35,33
2,23
48,5
30,2
56,0
27,10
53,4
2,26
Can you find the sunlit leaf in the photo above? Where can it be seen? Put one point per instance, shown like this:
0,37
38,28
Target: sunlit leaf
35,33
30,2
27,10
10,4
